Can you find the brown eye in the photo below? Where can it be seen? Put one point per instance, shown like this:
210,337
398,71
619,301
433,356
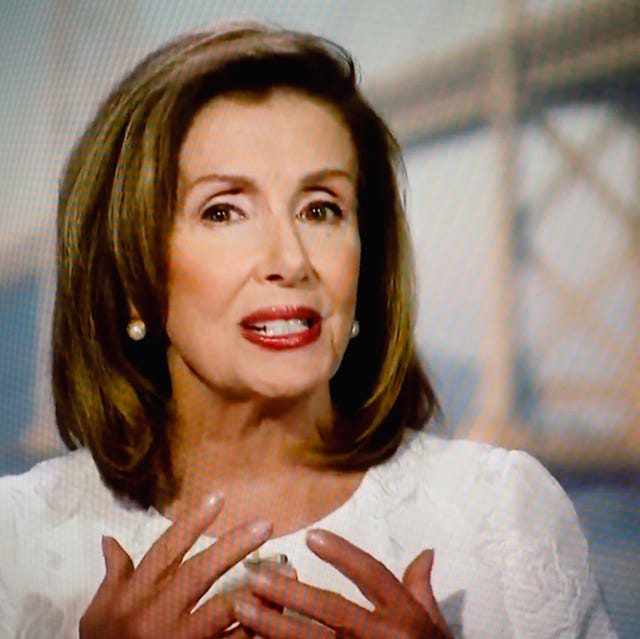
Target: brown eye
220,213
322,212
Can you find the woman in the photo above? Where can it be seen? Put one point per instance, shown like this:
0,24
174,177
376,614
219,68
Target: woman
234,317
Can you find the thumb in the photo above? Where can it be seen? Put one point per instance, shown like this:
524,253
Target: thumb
117,562
417,580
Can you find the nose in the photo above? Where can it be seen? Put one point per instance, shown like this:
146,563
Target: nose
284,256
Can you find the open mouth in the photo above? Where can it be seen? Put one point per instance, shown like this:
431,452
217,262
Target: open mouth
282,327
277,328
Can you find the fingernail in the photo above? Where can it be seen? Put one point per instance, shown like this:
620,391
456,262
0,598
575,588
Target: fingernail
260,530
213,501
315,537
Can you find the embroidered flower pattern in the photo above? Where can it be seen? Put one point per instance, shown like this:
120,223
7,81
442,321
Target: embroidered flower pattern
40,619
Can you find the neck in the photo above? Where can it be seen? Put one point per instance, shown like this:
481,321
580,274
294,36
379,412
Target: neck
217,441
242,446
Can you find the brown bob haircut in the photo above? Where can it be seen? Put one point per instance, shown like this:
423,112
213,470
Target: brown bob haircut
115,217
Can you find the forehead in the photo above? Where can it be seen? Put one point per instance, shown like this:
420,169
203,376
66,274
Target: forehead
285,128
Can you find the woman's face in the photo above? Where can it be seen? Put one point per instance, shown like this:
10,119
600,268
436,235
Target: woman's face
265,252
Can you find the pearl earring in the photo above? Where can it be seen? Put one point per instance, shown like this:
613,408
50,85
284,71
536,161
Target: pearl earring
136,330
355,329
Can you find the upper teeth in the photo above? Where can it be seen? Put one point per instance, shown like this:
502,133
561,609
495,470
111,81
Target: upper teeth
282,327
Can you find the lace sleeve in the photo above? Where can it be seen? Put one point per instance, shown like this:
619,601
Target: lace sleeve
25,612
548,586
8,549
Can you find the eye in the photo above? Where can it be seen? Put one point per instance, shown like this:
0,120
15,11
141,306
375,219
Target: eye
322,212
221,213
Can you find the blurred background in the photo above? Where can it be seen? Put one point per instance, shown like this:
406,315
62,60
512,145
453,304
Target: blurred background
520,122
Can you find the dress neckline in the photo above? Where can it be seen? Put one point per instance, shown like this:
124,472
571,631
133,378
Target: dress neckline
337,513
376,482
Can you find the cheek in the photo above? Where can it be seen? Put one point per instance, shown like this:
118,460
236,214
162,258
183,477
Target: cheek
344,270
345,289
196,286
347,275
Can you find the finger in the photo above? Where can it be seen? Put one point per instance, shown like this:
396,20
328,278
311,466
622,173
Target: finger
417,580
268,623
215,617
118,564
169,549
374,580
328,608
201,571
279,564
284,570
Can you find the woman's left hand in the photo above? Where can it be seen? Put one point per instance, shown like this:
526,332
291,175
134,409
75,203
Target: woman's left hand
403,609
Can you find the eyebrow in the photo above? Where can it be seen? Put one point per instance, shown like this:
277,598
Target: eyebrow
309,180
325,174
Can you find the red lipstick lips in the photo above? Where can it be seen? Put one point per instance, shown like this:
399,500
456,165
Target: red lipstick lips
282,327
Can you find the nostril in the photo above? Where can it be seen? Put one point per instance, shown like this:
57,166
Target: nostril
274,277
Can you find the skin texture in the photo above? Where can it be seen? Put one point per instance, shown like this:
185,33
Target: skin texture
156,598
263,220
402,609
266,217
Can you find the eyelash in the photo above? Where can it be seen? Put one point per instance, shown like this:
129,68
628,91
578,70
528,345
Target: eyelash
334,208
214,209
212,212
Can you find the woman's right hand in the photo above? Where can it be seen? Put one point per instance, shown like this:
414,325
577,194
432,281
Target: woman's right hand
155,600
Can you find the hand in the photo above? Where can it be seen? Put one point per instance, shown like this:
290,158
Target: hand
402,610
246,597
155,599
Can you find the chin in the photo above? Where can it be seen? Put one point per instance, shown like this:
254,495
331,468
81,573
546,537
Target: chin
290,384
285,389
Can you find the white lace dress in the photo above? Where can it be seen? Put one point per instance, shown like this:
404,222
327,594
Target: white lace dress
510,558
